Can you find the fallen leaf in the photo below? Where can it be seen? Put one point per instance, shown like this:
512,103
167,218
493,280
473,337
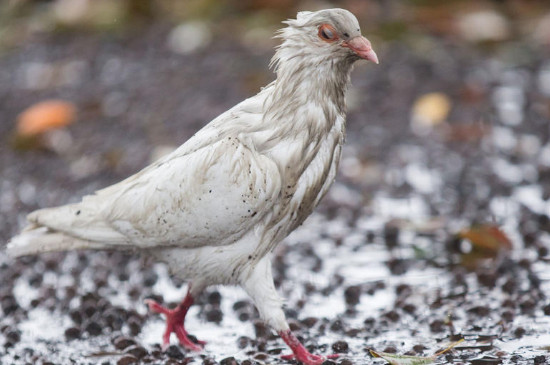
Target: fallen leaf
486,237
44,116
430,110
395,359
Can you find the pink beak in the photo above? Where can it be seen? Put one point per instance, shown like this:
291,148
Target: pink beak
362,47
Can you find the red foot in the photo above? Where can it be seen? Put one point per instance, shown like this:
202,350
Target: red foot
300,353
175,323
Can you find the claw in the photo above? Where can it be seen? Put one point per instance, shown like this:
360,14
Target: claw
300,353
175,323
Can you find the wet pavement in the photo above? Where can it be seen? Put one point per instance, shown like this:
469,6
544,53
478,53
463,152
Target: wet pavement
380,265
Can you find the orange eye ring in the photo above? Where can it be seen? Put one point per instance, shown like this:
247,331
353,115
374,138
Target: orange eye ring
327,33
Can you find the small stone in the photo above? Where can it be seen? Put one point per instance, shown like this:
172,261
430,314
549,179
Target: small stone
76,316
352,294
508,316
13,336
509,286
214,298
127,360
519,332
93,328
175,352
392,316
528,306
261,356
72,333
214,315
122,342
340,347
480,310
134,324
229,361
150,278
9,304
137,351
261,329
242,342
241,304
311,321
409,308
437,326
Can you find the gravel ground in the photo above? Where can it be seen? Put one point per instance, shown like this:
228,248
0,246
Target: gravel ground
378,266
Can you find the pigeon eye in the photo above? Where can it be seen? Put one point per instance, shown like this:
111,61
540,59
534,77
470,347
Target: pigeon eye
327,33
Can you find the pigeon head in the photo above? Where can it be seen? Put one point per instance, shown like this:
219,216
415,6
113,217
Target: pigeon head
330,34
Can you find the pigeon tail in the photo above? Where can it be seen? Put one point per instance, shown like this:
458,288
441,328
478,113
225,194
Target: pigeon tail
36,240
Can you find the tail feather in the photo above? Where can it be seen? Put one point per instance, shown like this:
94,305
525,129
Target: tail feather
35,240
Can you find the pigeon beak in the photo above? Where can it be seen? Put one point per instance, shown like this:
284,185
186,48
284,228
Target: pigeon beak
362,48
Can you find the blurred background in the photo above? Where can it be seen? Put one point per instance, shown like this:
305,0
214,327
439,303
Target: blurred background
446,169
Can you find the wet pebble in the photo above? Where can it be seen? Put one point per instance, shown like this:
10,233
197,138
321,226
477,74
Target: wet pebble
9,304
261,356
437,326
137,351
134,324
309,322
519,332
528,306
76,316
508,316
13,336
340,347
261,329
409,308
229,361
214,315
93,328
150,278
174,352
72,333
122,342
243,342
127,360
480,310
352,294
392,316
214,298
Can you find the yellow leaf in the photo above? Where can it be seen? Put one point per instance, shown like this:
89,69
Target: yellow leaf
430,110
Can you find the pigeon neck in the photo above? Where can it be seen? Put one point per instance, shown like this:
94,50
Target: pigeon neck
308,78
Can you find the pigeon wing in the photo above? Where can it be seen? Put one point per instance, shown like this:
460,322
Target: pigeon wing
212,196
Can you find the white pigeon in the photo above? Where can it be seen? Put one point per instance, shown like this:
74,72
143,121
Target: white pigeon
215,208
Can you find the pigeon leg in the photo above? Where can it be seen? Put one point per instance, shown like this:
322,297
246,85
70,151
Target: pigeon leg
175,323
259,285
300,353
